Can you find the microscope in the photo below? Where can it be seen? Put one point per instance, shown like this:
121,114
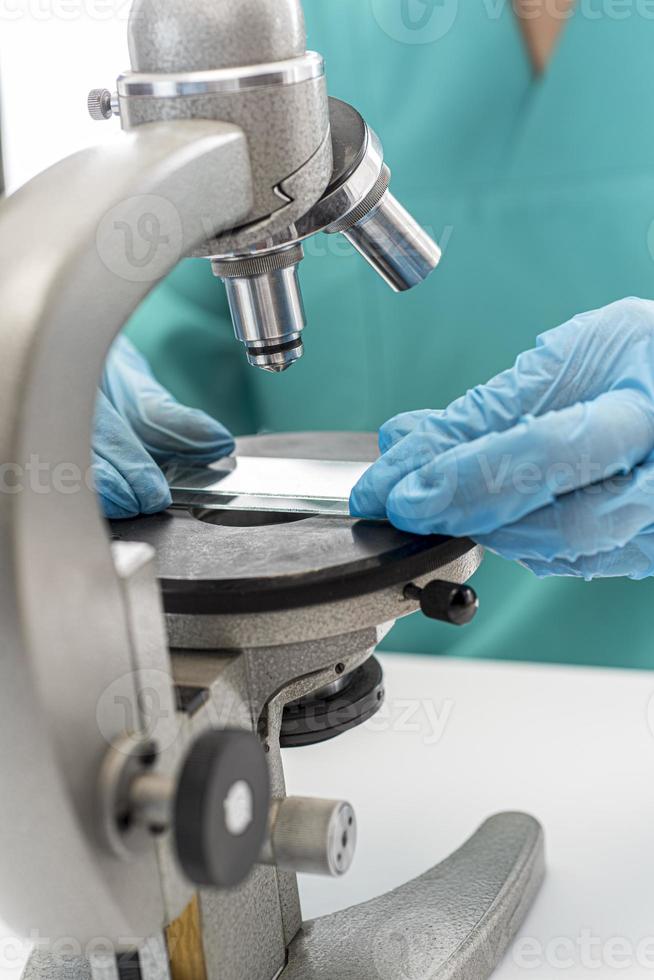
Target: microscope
152,673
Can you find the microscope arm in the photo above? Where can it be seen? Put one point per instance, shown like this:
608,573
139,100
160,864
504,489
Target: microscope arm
69,282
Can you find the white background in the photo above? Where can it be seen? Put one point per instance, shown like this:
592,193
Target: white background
52,52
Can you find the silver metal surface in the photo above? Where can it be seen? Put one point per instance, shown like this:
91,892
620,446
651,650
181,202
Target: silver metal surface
220,51
395,245
157,721
311,836
99,104
122,766
221,81
298,486
150,798
268,316
246,63
453,923
245,930
340,201
358,204
175,36
327,691
70,678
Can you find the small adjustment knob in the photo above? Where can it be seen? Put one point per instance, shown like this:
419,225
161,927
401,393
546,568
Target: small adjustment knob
445,601
221,808
311,836
100,104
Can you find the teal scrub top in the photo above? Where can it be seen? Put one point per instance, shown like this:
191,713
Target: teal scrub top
541,193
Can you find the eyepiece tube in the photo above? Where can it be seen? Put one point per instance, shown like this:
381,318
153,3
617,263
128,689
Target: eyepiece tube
266,305
395,245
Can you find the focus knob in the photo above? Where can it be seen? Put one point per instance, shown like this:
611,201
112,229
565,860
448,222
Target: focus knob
221,808
311,836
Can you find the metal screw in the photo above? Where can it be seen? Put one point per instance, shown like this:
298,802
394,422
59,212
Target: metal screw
100,104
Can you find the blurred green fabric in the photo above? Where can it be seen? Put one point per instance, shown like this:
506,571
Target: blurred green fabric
541,193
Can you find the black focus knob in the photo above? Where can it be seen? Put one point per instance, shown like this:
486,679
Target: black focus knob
221,808
445,601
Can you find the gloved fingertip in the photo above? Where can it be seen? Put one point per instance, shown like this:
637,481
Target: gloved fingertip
421,506
206,431
154,492
396,429
157,503
114,512
173,431
223,444
365,504
357,505
117,499
410,524
386,438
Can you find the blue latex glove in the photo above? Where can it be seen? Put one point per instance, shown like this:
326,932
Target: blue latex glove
551,463
138,427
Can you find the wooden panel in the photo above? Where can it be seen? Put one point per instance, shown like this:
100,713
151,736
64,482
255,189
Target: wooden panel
184,940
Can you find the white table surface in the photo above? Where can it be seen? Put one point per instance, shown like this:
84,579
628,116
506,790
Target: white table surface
574,747
460,740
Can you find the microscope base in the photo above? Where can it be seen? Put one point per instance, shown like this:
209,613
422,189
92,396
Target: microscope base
453,923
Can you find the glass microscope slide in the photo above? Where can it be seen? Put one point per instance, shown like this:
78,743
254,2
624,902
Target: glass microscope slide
248,483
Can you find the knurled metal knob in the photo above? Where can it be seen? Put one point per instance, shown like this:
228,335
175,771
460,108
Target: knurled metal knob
310,836
99,104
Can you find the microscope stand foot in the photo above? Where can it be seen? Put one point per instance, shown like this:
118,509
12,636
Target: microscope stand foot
453,923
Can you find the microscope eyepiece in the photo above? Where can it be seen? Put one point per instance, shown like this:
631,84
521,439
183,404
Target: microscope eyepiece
389,238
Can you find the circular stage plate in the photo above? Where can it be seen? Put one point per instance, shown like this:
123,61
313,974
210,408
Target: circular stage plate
213,562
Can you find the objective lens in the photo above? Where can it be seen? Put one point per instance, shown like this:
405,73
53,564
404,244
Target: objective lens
266,305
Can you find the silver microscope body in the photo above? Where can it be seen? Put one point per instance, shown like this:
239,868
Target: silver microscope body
145,825
316,166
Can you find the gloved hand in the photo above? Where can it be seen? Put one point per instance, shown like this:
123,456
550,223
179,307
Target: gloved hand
138,425
551,463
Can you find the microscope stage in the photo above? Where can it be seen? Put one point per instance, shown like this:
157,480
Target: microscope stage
221,561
